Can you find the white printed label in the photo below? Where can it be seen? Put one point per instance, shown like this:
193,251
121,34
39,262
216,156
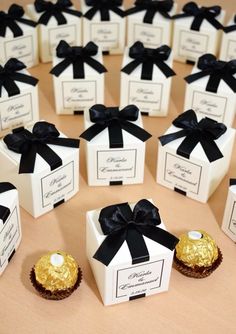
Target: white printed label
9,235
78,95
192,45
116,165
20,48
182,174
16,111
149,35
231,50
140,279
64,32
232,222
106,35
147,96
57,185
209,105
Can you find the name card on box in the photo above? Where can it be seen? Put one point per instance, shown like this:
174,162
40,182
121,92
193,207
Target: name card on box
129,250
10,224
194,155
115,147
43,164
146,79
228,43
197,30
57,20
78,77
211,89
18,36
229,219
150,22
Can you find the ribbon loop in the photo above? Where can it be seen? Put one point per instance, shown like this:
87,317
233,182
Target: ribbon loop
104,7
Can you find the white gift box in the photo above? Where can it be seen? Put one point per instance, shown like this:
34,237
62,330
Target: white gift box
74,96
228,43
52,33
108,35
21,109
114,166
229,219
151,96
10,224
195,177
153,34
23,47
44,189
121,280
189,44
220,105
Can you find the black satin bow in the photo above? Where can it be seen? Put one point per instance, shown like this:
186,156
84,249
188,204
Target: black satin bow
217,70
119,223
77,56
148,58
9,20
104,7
49,9
5,211
204,132
231,28
115,121
10,73
151,7
28,144
200,14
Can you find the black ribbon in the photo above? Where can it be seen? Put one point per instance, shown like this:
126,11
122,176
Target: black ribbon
148,58
5,211
217,70
104,7
231,28
29,144
119,223
200,14
204,132
49,9
77,56
151,7
232,182
10,73
116,121
9,20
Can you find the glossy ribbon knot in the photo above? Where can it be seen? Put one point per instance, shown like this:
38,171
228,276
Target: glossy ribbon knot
147,58
231,28
9,73
200,14
151,7
204,132
9,20
77,56
116,121
49,9
119,223
29,144
5,211
104,7
217,70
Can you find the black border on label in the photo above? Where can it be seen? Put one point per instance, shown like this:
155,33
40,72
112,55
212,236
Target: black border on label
15,39
198,54
146,26
230,220
102,23
60,27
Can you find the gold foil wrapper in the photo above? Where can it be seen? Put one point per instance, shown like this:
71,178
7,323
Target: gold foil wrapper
60,277
201,252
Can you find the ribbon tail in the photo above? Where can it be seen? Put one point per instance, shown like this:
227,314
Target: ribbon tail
4,213
133,10
147,70
196,76
137,246
160,236
226,29
211,150
27,22
136,131
149,16
118,11
215,23
72,12
129,68
11,87
188,145
49,156
92,131
197,22
59,68
90,13
21,77
96,65
60,18
44,18
231,82
115,135
213,82
66,142
166,70
15,28
165,139
27,161
6,186
3,29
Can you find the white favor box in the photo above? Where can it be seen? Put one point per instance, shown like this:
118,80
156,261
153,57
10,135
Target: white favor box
51,34
108,35
228,44
107,165
144,278
188,44
220,106
150,96
19,110
44,189
10,230
73,96
229,220
152,35
196,177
